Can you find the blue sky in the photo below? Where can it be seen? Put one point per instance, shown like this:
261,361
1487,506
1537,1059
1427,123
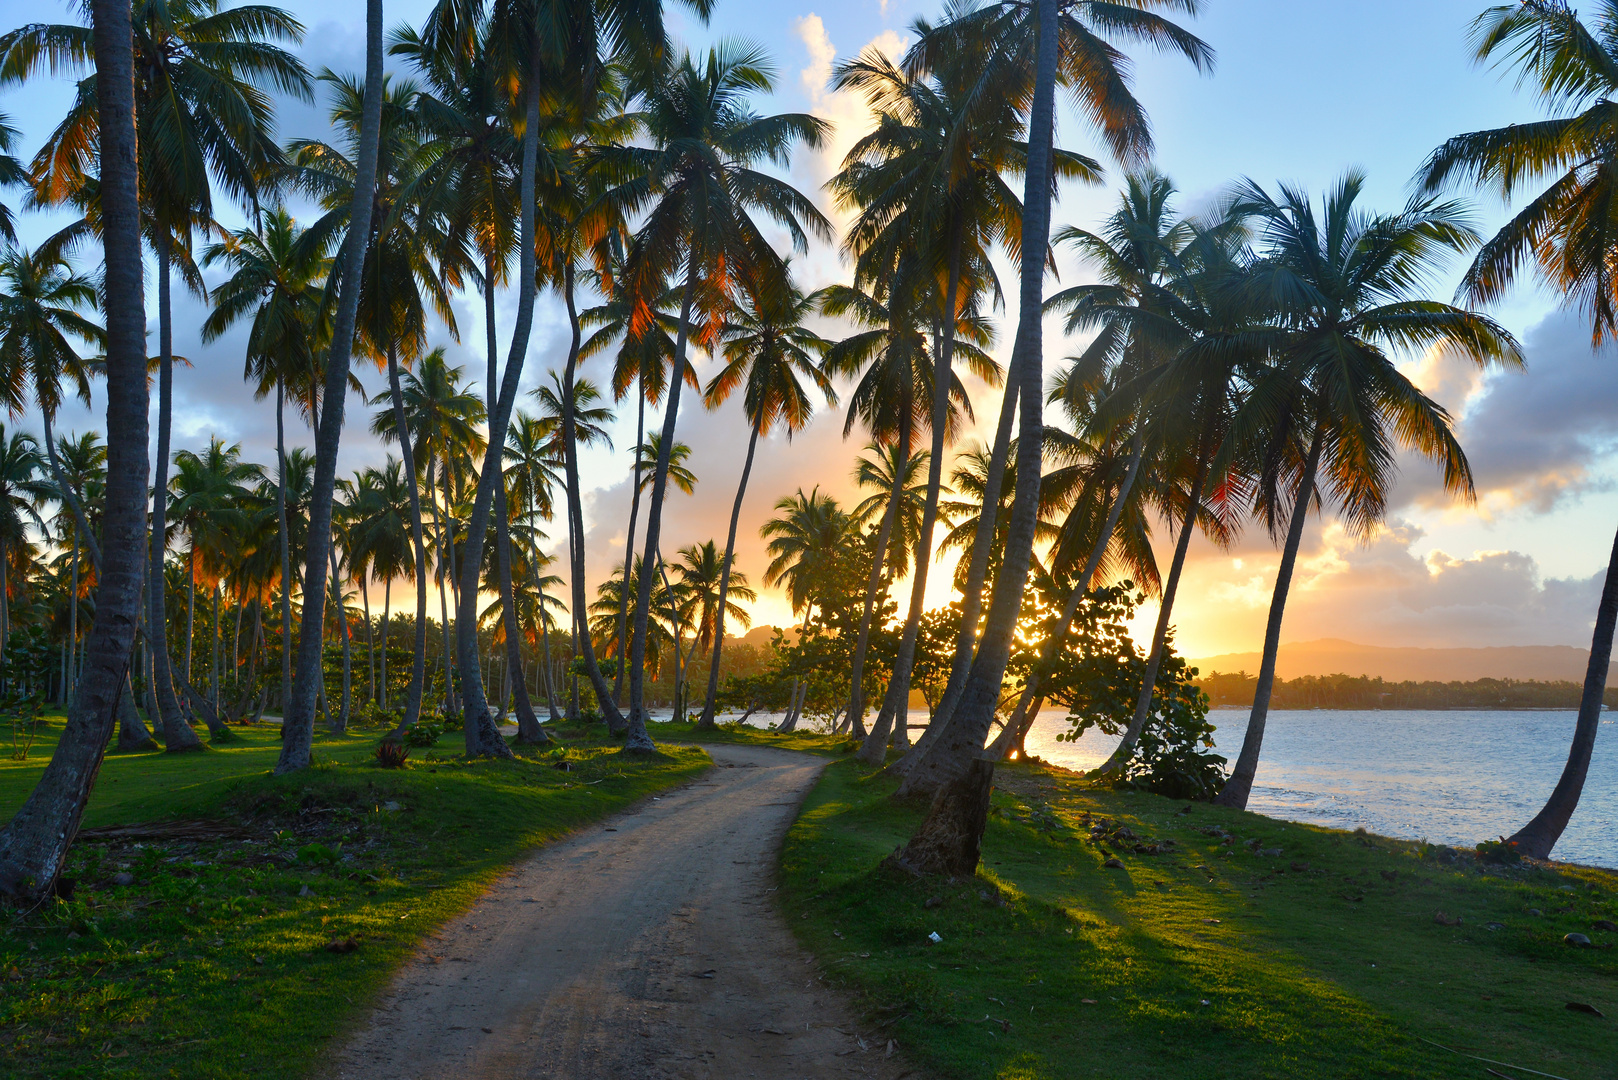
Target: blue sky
1301,92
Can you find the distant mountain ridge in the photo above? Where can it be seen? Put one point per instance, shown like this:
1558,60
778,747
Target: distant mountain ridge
1331,656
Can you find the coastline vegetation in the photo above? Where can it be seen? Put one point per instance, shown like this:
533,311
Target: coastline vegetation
1228,690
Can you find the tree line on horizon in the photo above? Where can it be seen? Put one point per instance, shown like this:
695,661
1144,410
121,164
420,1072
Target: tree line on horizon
1234,367
1235,689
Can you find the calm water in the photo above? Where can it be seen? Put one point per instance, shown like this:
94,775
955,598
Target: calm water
1451,777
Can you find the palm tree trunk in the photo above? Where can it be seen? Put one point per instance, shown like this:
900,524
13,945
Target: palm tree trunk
1160,634
575,511
382,661
1031,698
488,739
856,693
1240,785
285,542
545,643
213,654
895,709
418,543
954,751
177,734
706,720
1538,838
370,644
638,741
528,729
73,621
299,722
35,842
342,626
629,538
190,611
445,572
977,572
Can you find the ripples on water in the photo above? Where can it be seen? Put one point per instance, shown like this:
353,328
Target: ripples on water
1451,777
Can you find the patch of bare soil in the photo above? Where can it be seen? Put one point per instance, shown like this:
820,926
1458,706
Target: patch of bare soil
648,947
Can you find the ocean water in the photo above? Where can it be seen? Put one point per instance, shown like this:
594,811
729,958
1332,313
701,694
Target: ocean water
1450,777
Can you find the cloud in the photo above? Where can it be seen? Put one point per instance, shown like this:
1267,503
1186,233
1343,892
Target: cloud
1535,439
1382,592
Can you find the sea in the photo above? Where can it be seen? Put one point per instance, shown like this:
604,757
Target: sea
1445,776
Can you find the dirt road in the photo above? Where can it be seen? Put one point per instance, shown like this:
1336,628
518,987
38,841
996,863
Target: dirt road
645,948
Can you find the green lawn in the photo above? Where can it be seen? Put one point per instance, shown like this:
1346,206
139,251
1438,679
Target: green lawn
214,962
1210,961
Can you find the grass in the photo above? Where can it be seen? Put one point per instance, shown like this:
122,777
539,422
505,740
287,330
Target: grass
246,956
1210,960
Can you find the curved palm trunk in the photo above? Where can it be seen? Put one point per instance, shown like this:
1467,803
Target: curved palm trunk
1538,838
190,612
977,572
583,646
72,621
638,740
1240,785
895,708
299,723
177,734
1031,698
35,842
370,644
629,541
418,544
954,751
528,729
382,661
1160,634
706,720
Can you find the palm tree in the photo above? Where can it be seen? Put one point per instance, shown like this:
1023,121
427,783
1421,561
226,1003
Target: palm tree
34,843
40,310
767,350
209,490
23,492
805,538
1570,240
12,174
277,279
1067,42
1334,408
699,188
202,117
381,545
80,477
895,369
929,182
298,723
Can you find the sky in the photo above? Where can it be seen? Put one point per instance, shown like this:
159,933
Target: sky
1300,93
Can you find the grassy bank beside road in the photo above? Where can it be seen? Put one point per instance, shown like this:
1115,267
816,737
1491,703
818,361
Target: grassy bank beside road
246,953
1329,955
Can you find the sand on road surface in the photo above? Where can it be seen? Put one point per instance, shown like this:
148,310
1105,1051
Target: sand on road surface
647,947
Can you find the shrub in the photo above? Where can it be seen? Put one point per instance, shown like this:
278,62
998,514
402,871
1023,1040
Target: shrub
1501,852
391,754
424,734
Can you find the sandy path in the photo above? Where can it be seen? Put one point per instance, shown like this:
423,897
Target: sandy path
581,963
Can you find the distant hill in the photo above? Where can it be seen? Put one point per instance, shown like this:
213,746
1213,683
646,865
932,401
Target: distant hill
1331,656
761,636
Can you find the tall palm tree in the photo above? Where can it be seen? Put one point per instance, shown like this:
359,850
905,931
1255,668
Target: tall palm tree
298,723
1334,408
23,493
767,351
700,190
203,117
381,540
35,842
12,174
1068,42
1570,239
892,358
277,280
930,180
80,477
